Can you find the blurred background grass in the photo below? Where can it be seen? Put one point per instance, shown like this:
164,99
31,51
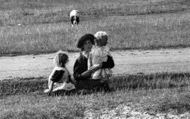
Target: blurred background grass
33,27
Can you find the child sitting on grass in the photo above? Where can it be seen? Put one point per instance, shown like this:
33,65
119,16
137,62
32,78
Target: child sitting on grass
60,78
98,55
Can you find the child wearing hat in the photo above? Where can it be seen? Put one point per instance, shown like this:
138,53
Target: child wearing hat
60,78
99,54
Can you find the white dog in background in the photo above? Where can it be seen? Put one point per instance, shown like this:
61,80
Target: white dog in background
74,17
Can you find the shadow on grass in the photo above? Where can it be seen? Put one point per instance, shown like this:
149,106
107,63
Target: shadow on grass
151,81
138,81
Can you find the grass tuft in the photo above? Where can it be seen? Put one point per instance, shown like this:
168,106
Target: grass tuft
149,81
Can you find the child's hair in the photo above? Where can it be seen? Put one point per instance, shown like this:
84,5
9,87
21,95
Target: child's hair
61,58
101,36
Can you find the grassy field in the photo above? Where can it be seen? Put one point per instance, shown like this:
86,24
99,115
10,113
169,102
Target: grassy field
42,26
154,93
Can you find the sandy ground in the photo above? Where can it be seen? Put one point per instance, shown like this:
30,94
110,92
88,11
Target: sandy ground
126,62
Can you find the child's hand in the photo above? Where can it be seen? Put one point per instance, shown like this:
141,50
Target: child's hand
46,91
100,65
95,68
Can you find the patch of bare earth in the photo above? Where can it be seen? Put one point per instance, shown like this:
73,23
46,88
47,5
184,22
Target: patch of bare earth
126,62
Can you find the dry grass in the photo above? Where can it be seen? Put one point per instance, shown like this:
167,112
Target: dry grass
166,92
131,24
149,81
152,93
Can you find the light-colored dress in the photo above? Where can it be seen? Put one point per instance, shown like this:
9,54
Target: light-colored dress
97,56
61,84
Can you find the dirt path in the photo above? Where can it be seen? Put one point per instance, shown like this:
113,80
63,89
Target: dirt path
130,62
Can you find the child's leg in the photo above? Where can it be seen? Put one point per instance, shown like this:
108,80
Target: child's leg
107,87
104,75
50,83
51,88
70,80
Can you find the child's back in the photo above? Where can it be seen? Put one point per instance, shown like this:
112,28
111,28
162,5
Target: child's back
60,78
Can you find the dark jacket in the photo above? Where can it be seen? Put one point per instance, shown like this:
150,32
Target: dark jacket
81,65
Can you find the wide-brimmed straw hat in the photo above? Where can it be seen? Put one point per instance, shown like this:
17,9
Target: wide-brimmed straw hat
84,38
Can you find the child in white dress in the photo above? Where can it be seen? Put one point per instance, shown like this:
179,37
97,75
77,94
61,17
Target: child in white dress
98,55
60,78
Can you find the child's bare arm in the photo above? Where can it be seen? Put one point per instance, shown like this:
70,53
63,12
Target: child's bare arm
91,70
